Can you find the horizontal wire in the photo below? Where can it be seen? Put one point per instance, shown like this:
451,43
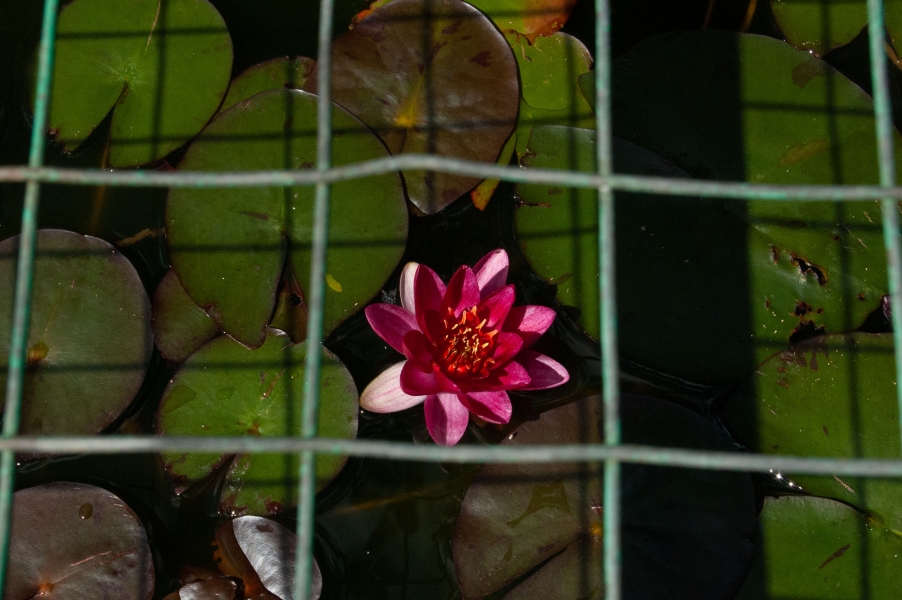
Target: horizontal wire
671,457
281,178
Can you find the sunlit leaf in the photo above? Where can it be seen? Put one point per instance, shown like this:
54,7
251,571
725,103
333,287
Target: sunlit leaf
70,540
832,396
179,325
226,389
429,77
816,548
262,553
686,533
229,246
89,339
161,66
273,74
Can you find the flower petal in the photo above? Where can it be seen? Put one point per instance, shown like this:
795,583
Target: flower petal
498,305
429,291
391,323
405,288
493,406
417,383
529,321
491,272
416,349
507,346
446,418
448,384
510,376
462,292
544,371
384,394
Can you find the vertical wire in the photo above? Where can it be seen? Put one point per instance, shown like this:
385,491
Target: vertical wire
312,365
885,152
24,274
608,306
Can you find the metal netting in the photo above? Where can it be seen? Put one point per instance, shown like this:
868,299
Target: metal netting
612,454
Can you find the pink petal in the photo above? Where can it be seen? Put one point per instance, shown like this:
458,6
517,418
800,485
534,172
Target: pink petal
498,305
405,288
544,371
429,291
462,292
491,272
384,394
417,383
448,385
510,376
494,406
416,349
529,321
391,323
507,346
446,418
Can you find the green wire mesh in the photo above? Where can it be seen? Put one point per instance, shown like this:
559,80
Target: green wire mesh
612,453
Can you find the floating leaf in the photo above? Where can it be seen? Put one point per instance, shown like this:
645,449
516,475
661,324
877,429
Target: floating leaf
820,26
687,533
179,325
226,389
89,339
550,69
291,73
832,396
212,589
431,76
262,553
229,246
71,540
816,548
161,66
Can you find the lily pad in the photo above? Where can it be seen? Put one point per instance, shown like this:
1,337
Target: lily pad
687,533
262,553
429,76
820,26
550,69
179,325
226,389
832,396
229,246
161,66
70,540
817,548
211,589
89,339
291,73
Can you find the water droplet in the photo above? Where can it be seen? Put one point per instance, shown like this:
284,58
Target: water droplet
86,510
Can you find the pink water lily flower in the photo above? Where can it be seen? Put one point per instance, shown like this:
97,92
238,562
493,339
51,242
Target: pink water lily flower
465,346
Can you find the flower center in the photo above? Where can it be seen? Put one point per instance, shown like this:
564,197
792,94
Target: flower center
465,346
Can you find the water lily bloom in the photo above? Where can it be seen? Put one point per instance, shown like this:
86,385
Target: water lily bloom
465,345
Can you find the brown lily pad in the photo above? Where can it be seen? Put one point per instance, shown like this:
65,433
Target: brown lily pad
73,541
429,77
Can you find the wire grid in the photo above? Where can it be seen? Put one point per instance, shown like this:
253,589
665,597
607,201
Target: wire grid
308,445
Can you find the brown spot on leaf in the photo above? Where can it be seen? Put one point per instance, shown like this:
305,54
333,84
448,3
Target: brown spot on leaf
467,37
861,297
802,309
825,430
806,267
482,59
435,49
783,382
835,555
555,191
255,215
807,70
774,254
802,150
452,28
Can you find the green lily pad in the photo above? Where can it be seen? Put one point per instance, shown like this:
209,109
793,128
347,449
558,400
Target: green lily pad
179,325
71,540
434,77
831,396
686,533
227,389
89,339
820,26
291,73
817,548
161,66
229,246
550,69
